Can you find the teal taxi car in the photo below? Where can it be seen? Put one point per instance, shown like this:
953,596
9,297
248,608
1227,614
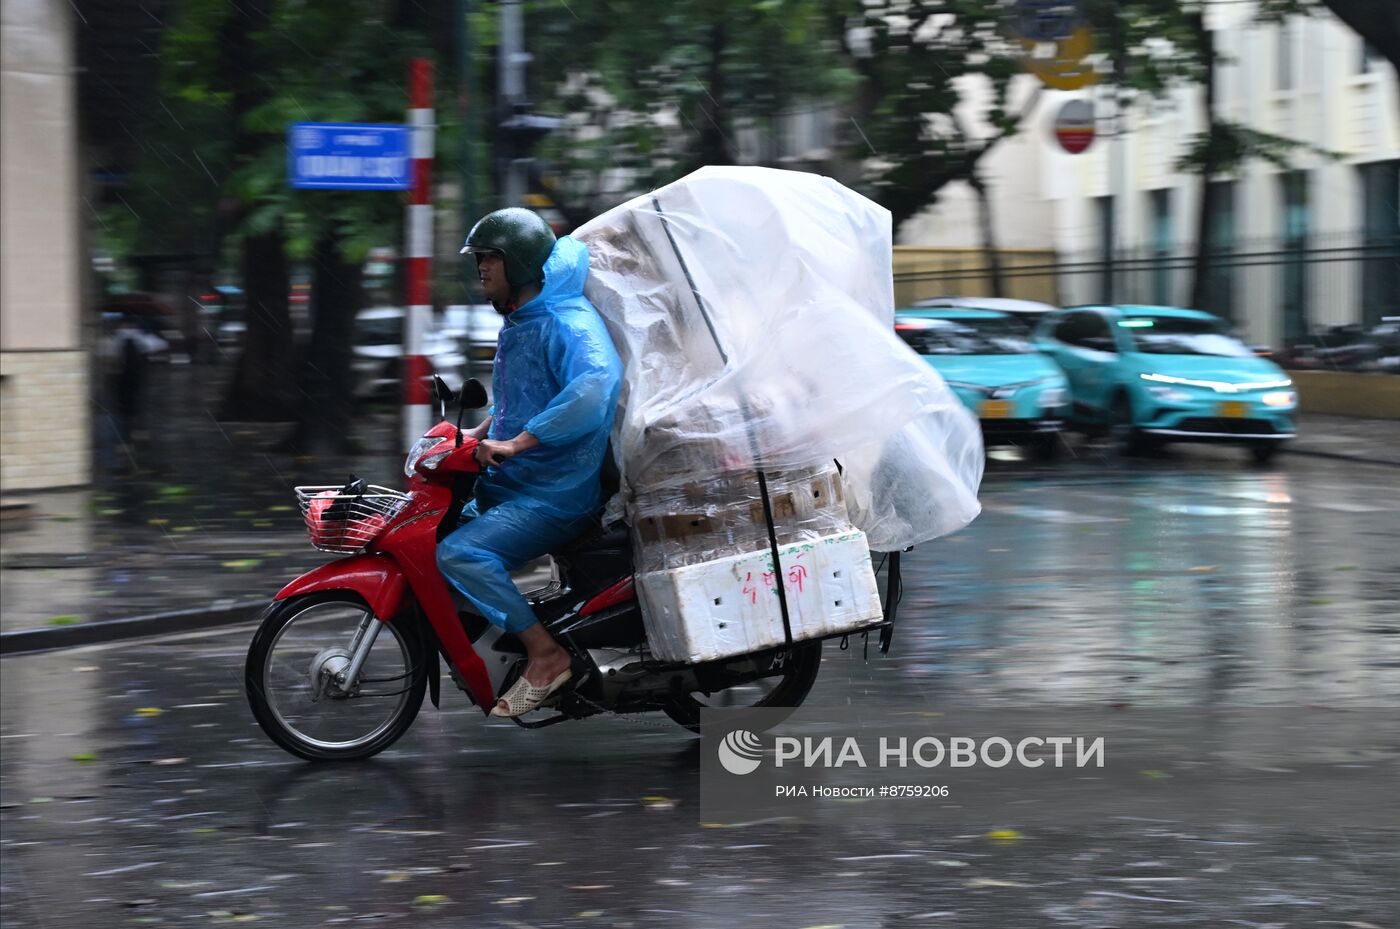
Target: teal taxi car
1153,375
988,360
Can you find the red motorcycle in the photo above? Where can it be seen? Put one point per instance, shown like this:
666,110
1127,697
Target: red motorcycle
344,655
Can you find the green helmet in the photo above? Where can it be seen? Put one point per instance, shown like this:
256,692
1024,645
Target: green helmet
518,235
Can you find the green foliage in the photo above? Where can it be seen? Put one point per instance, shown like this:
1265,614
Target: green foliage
1229,145
342,62
652,91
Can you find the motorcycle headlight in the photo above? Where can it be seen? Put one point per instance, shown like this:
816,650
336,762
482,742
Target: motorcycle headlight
1280,398
1053,397
1169,394
419,449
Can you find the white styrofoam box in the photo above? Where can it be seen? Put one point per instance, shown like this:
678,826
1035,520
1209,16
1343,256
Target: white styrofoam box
729,606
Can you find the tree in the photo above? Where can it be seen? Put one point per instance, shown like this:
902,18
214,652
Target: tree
651,91
241,73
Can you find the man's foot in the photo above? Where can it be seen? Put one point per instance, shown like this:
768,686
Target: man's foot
543,676
523,697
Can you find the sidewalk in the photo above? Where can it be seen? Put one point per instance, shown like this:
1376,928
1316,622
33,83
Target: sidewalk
1373,441
208,530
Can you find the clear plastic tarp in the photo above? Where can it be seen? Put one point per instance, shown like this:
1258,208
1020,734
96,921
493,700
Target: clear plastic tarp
754,312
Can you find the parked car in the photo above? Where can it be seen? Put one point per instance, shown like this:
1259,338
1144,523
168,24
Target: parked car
988,359
223,313
1347,347
1153,375
378,353
1027,312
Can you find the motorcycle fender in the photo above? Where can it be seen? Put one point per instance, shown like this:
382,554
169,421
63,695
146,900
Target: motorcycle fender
376,578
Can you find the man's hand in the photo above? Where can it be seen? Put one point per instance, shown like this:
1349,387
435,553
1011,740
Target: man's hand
490,452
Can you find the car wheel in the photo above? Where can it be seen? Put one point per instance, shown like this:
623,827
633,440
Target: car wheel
1263,452
1045,447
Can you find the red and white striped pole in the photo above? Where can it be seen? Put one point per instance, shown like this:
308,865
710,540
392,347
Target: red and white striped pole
418,251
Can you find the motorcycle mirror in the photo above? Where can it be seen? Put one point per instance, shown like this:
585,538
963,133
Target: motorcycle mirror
473,395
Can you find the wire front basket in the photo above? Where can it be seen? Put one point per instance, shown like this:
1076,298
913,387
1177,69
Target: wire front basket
338,521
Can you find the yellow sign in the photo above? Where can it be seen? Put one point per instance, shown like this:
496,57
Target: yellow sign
1068,68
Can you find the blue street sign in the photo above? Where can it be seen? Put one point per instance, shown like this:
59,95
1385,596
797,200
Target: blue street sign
349,156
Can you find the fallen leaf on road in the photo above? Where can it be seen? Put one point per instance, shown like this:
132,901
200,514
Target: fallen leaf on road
1004,835
85,757
431,900
1203,568
166,761
658,803
511,901
63,620
243,564
589,886
989,882
149,711
157,521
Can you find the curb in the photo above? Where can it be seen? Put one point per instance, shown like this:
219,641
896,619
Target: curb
40,640
1341,456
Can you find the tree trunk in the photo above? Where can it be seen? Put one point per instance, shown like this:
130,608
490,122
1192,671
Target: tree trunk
262,390
323,427
714,143
1205,42
989,238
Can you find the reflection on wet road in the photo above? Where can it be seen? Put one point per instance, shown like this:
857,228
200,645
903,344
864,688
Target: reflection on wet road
138,791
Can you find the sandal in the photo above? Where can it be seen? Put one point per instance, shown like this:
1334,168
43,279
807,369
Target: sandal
524,696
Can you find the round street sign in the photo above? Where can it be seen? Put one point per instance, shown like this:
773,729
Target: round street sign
1074,126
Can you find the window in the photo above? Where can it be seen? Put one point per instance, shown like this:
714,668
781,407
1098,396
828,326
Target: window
1294,190
1177,335
1103,207
1284,59
1380,270
1161,236
1219,287
1085,329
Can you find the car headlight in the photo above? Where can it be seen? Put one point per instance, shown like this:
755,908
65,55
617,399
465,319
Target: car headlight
419,449
1280,398
1054,396
1169,394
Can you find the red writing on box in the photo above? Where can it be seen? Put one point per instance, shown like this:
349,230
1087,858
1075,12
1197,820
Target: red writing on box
796,579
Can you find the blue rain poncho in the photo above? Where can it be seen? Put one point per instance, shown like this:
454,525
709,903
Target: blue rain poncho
557,376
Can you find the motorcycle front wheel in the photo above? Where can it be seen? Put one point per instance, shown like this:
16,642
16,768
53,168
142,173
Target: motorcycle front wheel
785,685
296,677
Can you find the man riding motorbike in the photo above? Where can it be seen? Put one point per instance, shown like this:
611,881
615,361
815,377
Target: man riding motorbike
556,379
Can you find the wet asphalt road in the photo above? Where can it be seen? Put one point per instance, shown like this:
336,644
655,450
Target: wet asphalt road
136,789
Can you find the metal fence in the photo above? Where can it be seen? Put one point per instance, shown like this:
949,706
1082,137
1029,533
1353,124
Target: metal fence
1276,292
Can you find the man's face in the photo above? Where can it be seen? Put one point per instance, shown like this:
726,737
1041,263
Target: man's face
491,269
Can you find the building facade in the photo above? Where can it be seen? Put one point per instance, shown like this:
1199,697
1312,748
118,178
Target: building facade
1296,248
44,397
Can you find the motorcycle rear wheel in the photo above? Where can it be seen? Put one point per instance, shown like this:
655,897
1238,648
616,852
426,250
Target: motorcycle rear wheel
290,671
787,688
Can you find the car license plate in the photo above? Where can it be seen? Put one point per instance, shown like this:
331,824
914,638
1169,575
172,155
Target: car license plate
1234,409
996,409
